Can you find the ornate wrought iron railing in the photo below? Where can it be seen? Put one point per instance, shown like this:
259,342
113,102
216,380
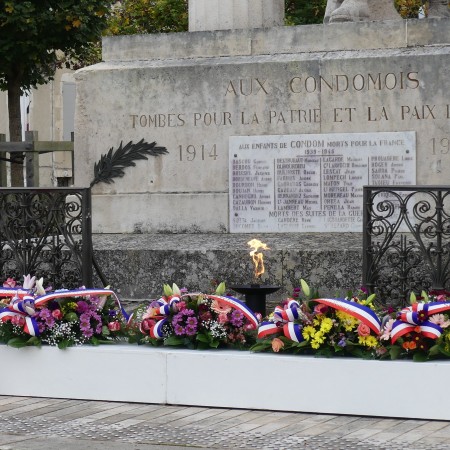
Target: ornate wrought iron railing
406,241
47,233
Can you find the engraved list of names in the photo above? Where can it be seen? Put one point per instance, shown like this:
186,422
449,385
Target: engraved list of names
312,182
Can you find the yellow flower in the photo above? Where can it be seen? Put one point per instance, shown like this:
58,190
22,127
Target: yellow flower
308,332
326,325
368,341
348,322
315,345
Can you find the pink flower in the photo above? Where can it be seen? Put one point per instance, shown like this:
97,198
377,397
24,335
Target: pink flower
249,327
151,312
147,324
179,306
363,330
114,326
320,309
57,314
10,282
277,345
223,318
18,320
439,319
387,330
220,308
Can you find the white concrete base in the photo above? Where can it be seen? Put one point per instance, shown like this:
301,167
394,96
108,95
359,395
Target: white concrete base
229,379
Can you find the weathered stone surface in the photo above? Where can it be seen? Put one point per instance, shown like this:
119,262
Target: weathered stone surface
360,10
191,92
235,14
138,265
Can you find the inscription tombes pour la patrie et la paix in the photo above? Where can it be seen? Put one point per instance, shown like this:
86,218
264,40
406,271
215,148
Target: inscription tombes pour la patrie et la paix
302,85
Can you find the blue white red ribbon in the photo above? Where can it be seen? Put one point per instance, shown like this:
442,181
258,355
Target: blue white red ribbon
361,312
283,323
25,305
156,331
289,314
414,318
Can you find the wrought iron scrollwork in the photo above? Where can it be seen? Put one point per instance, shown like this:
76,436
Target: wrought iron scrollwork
406,241
47,233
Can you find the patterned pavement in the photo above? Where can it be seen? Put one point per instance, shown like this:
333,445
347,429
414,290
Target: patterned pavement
46,424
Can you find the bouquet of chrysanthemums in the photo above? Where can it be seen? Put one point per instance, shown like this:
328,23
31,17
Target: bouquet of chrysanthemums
32,315
194,320
323,326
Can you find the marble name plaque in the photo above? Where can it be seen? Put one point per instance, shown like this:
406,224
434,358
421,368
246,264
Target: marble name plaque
312,182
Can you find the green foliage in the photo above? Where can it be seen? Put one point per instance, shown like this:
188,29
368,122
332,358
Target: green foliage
34,35
304,12
148,16
409,9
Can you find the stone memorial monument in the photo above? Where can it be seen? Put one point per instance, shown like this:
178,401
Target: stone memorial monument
287,99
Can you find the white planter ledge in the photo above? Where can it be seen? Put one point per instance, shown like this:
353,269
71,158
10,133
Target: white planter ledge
229,379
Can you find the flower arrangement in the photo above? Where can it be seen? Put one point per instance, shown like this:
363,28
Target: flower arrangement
305,323
30,315
320,326
194,320
420,331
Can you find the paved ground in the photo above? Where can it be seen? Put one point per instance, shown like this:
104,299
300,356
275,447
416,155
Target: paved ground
48,424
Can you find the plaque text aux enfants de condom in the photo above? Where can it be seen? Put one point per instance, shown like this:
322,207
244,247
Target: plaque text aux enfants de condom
312,182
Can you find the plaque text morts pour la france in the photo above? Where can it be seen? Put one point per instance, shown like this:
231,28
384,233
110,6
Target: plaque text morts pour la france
313,182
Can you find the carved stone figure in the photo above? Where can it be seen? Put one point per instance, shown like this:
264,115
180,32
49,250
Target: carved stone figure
360,10
439,8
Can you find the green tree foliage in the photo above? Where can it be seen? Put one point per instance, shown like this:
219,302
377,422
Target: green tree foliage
148,16
409,9
303,12
35,36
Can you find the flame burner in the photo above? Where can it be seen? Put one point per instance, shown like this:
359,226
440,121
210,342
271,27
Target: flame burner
255,295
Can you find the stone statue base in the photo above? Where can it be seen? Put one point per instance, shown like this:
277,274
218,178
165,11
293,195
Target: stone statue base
360,10
439,8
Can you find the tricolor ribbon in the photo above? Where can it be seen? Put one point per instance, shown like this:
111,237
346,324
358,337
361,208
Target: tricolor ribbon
283,322
414,318
163,309
361,312
26,305
14,292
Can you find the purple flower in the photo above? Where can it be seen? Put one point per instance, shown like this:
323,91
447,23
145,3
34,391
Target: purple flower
85,326
176,319
88,333
179,330
237,318
45,314
191,330
82,307
191,321
342,342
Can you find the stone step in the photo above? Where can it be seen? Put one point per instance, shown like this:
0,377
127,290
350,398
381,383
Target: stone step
137,265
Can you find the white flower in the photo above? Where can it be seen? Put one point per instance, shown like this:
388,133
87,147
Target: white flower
387,330
28,281
39,287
